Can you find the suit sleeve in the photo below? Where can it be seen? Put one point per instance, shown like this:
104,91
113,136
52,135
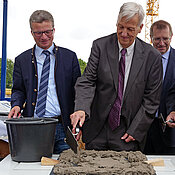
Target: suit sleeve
150,101
170,100
76,69
18,90
86,84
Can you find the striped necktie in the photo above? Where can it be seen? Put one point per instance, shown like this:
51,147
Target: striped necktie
114,115
42,94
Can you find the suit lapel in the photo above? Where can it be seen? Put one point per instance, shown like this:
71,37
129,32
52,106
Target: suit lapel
58,70
169,69
169,76
112,55
137,61
113,58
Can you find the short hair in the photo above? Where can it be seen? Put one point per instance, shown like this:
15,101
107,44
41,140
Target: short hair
129,10
160,24
39,16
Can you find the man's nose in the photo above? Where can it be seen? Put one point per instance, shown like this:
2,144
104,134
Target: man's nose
124,32
44,35
162,42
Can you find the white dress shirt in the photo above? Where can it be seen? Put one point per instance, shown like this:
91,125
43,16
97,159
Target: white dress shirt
128,61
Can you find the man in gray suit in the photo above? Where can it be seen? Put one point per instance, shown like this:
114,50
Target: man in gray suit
107,124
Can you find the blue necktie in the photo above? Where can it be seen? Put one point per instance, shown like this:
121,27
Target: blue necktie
114,115
164,62
42,94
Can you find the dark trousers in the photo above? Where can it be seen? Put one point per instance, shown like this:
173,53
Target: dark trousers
60,145
155,145
111,140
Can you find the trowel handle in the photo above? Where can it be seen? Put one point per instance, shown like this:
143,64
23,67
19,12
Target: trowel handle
171,121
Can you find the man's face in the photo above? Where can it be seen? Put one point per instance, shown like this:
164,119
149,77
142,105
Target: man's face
161,39
43,34
127,31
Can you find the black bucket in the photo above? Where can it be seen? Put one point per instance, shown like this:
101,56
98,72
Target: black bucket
31,138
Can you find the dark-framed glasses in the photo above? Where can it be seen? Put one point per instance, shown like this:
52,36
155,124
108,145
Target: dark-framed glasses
47,32
164,39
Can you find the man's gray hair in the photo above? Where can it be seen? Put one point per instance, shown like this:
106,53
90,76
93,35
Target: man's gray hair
39,16
129,10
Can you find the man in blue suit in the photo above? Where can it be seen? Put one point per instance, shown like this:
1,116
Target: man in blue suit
63,73
161,140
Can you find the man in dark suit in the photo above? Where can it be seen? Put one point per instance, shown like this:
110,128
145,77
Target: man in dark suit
161,140
97,91
62,75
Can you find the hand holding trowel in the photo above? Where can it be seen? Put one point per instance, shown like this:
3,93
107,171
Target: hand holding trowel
171,119
164,123
77,120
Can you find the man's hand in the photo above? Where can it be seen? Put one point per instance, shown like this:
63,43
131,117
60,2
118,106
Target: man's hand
78,116
171,116
127,138
15,112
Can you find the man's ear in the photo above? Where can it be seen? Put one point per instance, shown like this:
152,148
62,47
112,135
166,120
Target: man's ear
151,39
31,32
140,28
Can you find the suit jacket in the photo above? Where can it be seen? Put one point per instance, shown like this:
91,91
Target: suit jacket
158,142
25,81
167,103
96,90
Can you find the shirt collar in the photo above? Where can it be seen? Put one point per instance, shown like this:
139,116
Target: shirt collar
166,55
38,50
129,49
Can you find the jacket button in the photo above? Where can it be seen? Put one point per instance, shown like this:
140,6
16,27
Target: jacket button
33,104
35,90
36,75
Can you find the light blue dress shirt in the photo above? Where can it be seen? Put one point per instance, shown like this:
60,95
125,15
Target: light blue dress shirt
52,104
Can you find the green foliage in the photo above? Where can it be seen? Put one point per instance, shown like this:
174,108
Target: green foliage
82,65
9,73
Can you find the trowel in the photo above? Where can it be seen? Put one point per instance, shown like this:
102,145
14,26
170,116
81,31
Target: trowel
71,140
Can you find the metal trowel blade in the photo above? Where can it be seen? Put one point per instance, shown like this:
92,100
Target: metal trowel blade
71,140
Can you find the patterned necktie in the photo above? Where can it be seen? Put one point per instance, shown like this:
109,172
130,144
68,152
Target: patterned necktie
114,115
42,94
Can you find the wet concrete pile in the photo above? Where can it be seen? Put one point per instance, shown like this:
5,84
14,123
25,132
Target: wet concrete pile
103,163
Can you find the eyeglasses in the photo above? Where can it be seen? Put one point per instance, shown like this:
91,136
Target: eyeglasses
164,39
47,32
